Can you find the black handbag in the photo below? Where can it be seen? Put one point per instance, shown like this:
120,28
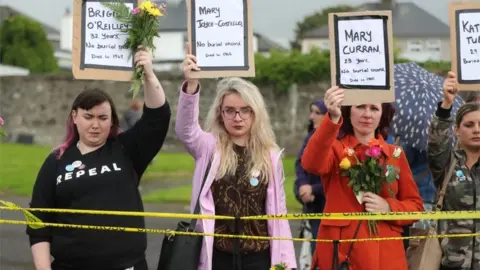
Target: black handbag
183,251
345,265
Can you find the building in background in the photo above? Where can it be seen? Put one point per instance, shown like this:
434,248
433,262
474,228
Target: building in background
418,35
170,46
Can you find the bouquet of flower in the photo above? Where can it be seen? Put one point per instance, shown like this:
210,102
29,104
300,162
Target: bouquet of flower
367,171
144,24
2,131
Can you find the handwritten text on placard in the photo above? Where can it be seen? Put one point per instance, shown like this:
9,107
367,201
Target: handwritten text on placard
362,52
469,43
219,33
103,39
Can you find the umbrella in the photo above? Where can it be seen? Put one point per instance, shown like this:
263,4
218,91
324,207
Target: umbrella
417,93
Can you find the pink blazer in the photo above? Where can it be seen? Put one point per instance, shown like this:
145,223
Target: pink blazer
202,145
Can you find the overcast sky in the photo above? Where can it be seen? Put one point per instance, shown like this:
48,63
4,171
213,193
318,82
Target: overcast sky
274,18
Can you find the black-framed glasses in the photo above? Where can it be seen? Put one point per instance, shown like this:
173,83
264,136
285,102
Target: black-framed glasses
231,113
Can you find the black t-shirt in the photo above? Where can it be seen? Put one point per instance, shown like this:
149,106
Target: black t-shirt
105,179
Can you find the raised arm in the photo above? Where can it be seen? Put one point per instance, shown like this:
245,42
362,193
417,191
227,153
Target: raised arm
145,139
319,155
439,144
43,197
187,128
440,138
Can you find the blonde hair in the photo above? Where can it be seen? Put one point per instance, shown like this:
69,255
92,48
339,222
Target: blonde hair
261,140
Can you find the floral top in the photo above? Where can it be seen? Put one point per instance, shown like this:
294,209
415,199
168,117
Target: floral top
240,195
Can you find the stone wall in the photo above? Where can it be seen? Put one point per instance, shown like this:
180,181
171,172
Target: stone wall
39,106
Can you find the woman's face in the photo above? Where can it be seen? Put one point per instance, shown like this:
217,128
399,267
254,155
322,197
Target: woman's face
237,116
316,116
365,118
93,125
469,130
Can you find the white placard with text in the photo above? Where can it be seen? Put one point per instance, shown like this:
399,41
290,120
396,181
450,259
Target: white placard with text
220,33
104,41
469,45
362,52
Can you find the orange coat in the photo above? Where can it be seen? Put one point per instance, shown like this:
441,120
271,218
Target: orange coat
322,156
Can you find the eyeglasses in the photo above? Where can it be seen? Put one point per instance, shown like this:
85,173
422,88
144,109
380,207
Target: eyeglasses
231,113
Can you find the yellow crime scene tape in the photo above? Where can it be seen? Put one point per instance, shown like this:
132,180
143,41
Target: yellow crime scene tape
172,232
295,216
35,223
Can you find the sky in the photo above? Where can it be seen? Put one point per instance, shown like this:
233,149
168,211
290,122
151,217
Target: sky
276,19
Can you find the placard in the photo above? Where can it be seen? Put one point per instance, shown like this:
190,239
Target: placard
98,51
465,44
361,56
220,34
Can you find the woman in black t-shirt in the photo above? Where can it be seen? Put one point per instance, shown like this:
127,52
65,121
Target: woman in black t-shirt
99,168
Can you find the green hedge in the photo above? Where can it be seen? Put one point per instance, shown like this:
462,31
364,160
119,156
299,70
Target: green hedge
282,69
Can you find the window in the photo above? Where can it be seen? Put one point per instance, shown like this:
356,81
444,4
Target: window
434,45
324,45
414,45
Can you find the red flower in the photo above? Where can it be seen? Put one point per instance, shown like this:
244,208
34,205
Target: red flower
374,151
360,153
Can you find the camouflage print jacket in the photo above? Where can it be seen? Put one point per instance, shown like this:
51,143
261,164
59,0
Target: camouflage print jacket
457,252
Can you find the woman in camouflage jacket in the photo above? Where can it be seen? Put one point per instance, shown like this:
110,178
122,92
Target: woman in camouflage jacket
462,191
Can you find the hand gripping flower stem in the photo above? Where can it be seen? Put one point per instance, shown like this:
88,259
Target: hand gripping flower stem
144,22
368,173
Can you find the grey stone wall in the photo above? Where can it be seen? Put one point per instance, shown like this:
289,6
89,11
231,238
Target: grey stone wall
39,105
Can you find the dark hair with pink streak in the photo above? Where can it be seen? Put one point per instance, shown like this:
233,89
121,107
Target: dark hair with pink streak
86,100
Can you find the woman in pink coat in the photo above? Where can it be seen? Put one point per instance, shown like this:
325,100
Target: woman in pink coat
245,178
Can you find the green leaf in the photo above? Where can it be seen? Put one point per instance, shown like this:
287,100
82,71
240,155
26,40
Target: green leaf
122,12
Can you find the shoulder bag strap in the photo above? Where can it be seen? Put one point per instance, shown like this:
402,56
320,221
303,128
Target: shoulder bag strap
193,222
448,176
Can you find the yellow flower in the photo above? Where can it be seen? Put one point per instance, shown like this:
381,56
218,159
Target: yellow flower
154,12
146,5
152,9
345,164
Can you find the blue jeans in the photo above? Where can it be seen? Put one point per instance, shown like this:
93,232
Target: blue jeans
314,224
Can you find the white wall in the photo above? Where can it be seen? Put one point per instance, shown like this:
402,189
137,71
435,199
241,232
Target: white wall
66,32
320,43
255,43
170,46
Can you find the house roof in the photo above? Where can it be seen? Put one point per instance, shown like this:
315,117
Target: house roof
265,44
6,12
408,20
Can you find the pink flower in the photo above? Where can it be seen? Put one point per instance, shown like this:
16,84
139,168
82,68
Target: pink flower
1,121
374,151
135,10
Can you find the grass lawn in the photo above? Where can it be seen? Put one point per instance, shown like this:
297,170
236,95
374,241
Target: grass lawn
19,165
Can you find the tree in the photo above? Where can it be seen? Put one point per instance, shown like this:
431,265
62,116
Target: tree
23,43
316,20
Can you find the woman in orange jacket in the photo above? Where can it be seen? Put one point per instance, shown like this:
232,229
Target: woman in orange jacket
329,155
